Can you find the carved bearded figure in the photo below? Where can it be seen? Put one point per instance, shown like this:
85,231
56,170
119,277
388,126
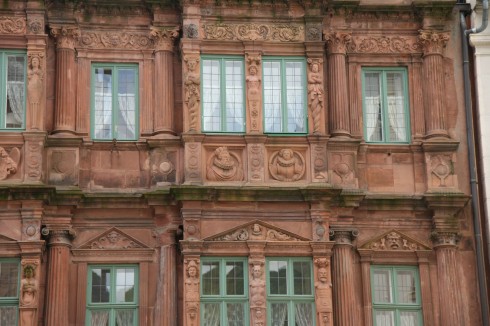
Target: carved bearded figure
224,166
323,294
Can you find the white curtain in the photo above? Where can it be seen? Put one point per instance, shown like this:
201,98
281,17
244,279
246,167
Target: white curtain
384,318
279,314
372,105
235,314
103,116
8,316
303,314
211,314
99,318
124,317
15,94
127,107
396,117
409,318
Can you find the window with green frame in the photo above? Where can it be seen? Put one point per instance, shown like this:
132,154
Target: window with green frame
224,291
112,295
284,89
9,291
114,102
385,105
396,296
223,103
12,90
290,292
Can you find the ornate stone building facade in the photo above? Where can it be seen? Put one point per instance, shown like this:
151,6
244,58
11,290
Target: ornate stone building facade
212,162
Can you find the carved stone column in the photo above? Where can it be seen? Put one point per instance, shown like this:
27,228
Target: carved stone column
257,283
64,117
344,294
192,92
337,43
450,299
29,292
58,285
254,92
191,290
164,79
322,251
433,43
316,94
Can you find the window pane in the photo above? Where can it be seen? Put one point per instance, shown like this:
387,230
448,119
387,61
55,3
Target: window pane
278,277
372,106
125,285
125,317
99,317
295,97
211,314
103,103
382,286
396,106
235,313
211,97
9,279
405,282
126,96
279,314
409,318
234,278
302,278
210,278
15,91
384,318
272,97
101,285
8,315
303,314
234,96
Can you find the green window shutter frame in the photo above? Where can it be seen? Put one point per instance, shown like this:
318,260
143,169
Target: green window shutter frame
4,55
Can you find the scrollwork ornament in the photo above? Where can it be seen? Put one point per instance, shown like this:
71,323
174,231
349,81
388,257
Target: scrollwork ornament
12,25
254,32
433,42
344,237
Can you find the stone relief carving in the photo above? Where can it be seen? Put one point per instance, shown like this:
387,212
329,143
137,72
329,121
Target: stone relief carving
445,238
192,84
161,167
31,230
394,240
224,165
192,291
433,41
35,26
257,293
192,231
8,162
34,160
29,292
342,172
192,162
256,231
441,167
65,36
164,37
113,239
338,41
12,25
63,167
119,40
256,159
320,163
254,91
191,31
35,77
323,292
315,92
384,44
314,33
287,165
255,32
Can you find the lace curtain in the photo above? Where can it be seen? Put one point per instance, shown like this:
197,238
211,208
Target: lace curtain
211,314
304,314
99,318
8,316
127,109
124,317
15,95
279,314
373,118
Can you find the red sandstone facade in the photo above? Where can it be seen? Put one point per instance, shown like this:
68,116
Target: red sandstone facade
166,202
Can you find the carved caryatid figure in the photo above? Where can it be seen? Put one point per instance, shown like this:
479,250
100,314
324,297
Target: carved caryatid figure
257,294
253,91
35,76
192,292
29,287
323,294
192,94
287,165
315,92
224,166
8,163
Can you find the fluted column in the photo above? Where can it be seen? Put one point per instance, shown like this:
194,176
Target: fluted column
337,83
164,78
64,114
450,299
58,285
344,294
434,92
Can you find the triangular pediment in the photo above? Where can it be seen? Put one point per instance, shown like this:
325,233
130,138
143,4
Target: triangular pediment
394,240
256,230
4,239
113,239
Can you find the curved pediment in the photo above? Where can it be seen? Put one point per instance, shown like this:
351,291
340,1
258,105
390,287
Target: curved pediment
256,230
394,240
113,239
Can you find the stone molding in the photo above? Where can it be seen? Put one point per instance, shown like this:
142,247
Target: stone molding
12,25
254,32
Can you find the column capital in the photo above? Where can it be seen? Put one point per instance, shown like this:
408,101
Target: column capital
59,236
164,37
66,36
337,42
445,239
343,236
433,42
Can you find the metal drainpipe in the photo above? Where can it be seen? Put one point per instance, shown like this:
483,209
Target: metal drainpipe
471,158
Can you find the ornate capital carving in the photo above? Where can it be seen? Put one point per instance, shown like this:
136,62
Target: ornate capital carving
343,236
12,25
66,36
433,42
338,41
164,37
59,236
445,239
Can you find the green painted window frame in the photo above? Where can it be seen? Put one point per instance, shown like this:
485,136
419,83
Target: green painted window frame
12,301
290,298
115,68
395,306
4,54
111,305
284,96
383,105
222,298
223,96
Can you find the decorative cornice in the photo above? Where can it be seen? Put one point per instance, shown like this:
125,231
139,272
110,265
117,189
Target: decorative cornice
164,37
115,39
433,42
255,32
12,25
384,45
394,240
66,36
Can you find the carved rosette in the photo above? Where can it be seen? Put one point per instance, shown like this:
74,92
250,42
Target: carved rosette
315,92
338,42
343,237
161,166
191,229
164,37
254,90
441,170
445,239
8,162
191,292
35,26
433,42
287,165
31,230
192,93
384,45
66,36
255,32
12,25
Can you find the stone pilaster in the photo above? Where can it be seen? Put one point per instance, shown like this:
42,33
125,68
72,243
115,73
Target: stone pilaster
64,117
192,90
344,294
191,290
164,79
57,287
322,252
192,158
316,91
254,91
337,43
257,277
433,44
33,156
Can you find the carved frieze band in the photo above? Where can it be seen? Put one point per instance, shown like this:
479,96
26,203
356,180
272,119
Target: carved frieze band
254,32
119,40
384,44
12,25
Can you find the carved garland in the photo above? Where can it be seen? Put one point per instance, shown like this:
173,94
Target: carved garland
254,32
121,40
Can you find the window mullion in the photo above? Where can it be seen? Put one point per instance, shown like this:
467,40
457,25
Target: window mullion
222,69
115,101
284,103
384,107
